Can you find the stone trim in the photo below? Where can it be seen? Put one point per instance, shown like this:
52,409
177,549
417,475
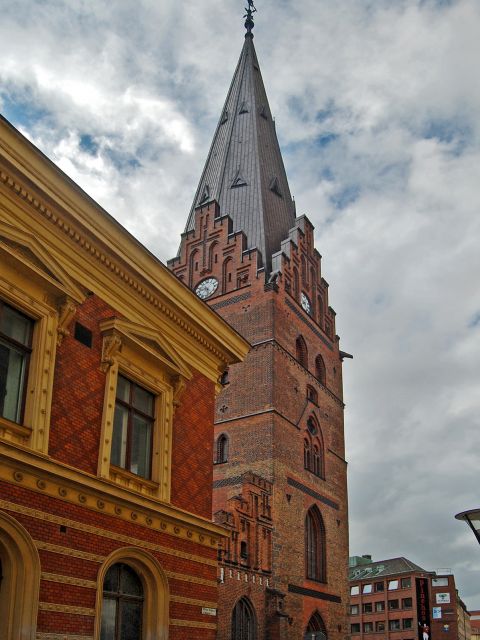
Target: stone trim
319,595
312,493
77,582
86,528
122,272
193,624
85,491
66,608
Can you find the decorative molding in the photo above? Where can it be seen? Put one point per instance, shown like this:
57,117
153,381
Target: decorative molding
194,602
193,624
122,272
66,551
66,608
77,582
104,533
61,482
111,346
313,593
178,389
312,493
67,311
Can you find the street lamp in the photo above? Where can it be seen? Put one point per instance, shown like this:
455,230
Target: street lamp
472,517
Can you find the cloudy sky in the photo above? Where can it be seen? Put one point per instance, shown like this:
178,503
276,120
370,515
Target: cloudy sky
377,105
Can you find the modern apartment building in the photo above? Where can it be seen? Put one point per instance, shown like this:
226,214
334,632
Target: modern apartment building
396,599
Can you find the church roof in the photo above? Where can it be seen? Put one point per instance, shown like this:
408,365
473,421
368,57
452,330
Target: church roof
244,171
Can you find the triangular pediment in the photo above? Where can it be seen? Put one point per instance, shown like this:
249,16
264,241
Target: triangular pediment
151,341
243,107
35,257
275,187
239,180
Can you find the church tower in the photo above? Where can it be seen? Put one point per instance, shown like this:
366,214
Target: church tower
279,478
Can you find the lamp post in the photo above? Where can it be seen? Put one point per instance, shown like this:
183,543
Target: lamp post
472,518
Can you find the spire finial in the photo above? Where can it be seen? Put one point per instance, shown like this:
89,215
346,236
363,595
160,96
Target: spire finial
249,24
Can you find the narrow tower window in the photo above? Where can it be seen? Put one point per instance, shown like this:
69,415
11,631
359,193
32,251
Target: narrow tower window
320,370
315,545
301,352
222,449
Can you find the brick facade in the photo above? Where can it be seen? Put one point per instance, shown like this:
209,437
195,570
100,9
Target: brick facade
264,413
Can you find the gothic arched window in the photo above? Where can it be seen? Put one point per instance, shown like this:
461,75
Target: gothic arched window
122,608
301,351
315,556
222,449
307,454
243,621
320,370
316,629
312,394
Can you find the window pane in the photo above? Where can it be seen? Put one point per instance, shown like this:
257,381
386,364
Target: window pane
15,325
131,620
123,389
393,584
354,591
141,447
12,376
367,588
119,439
110,582
108,619
130,583
143,400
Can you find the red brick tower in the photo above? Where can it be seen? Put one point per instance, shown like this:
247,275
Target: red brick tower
280,472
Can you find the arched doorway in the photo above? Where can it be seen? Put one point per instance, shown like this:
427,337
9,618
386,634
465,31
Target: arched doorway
243,621
316,629
19,586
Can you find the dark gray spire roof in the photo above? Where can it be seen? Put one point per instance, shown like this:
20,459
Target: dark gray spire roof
244,171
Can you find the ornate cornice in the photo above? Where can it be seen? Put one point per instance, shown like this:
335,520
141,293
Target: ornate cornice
98,531
123,272
103,496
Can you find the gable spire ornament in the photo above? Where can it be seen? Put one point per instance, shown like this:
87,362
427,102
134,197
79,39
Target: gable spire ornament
249,24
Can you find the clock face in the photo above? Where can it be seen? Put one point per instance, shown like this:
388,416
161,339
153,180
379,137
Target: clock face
305,302
206,287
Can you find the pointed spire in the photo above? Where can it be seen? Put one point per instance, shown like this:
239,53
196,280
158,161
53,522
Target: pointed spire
244,171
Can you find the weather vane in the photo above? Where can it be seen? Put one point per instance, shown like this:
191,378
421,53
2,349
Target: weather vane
249,24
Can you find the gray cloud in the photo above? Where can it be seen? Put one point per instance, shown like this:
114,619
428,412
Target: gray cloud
377,109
